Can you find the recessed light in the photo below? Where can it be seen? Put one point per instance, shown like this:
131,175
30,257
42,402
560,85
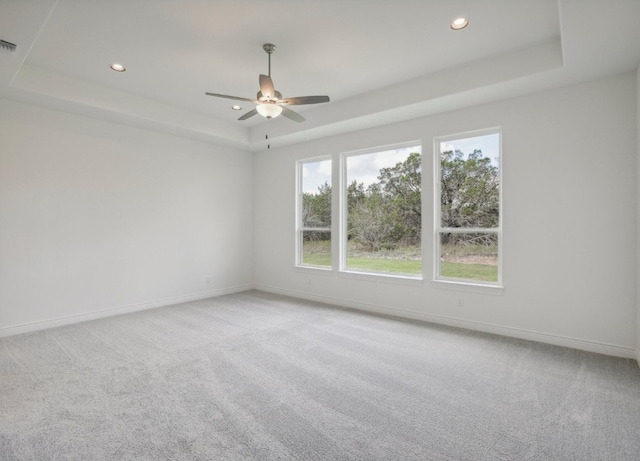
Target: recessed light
236,107
459,23
118,67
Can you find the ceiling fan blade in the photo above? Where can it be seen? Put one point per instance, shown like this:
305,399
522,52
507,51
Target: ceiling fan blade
238,98
266,86
249,114
305,100
291,115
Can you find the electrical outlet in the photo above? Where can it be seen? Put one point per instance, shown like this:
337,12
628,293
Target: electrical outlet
460,302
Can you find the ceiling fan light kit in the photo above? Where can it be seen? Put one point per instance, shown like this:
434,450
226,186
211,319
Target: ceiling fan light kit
269,102
269,110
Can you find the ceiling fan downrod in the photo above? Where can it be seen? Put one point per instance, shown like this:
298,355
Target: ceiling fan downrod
269,49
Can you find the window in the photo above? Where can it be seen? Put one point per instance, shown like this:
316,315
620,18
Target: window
314,213
382,211
468,200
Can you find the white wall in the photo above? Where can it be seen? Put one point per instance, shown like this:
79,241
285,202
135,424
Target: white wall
569,178
98,218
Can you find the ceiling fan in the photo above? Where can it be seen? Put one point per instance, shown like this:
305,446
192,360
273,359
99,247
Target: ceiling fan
270,102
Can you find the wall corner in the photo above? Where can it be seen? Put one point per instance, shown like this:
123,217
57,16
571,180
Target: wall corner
638,215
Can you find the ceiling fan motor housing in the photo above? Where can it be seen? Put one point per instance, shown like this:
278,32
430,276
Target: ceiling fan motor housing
269,48
260,97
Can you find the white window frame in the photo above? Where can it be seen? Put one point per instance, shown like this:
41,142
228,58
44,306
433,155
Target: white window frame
300,228
438,229
343,214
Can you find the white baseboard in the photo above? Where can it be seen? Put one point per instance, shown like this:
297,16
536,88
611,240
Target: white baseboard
68,320
580,344
590,346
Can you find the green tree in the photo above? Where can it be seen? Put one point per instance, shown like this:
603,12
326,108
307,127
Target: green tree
356,197
469,191
371,223
402,185
316,208
388,212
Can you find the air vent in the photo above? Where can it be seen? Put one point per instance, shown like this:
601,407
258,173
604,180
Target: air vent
7,46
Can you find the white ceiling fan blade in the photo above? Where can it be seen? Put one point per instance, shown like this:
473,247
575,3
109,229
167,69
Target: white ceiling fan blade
237,98
291,115
300,100
249,114
266,86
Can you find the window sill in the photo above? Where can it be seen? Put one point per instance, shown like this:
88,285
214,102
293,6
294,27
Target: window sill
381,277
320,270
468,287
371,276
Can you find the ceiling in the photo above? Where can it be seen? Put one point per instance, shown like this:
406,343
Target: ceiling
379,61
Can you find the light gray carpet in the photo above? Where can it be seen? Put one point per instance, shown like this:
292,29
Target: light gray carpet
258,376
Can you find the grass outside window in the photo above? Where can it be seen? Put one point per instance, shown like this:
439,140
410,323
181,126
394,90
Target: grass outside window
478,263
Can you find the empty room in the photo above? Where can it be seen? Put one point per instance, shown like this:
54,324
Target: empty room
337,230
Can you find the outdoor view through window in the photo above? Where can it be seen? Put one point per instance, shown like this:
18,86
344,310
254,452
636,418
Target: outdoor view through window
384,211
469,227
380,215
314,216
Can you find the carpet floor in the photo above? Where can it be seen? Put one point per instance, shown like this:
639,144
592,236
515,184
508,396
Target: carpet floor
257,376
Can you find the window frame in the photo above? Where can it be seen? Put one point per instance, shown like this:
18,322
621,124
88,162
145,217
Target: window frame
343,214
437,221
299,225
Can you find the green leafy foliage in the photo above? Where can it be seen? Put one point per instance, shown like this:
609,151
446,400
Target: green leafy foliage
470,187
386,216
469,194
316,208
387,213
